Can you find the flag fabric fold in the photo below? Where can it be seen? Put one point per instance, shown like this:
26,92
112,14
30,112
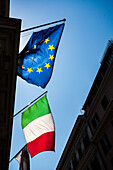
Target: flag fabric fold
36,61
38,127
23,158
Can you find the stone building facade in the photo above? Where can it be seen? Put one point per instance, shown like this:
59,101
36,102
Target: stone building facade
9,47
90,145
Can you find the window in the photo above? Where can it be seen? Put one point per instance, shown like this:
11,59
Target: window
112,122
110,58
87,168
2,45
69,168
86,142
95,121
80,153
104,102
7,58
94,91
104,69
105,144
112,162
4,80
75,162
95,165
90,100
99,80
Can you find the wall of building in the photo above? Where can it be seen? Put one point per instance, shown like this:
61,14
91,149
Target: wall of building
92,148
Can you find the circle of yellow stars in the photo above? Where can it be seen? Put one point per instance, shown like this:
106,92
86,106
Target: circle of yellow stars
47,65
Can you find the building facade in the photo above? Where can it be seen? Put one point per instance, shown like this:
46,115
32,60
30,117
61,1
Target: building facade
9,46
90,145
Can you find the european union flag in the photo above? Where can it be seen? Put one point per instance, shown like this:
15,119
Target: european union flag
36,61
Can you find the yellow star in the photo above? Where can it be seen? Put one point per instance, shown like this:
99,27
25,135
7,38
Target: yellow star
39,70
29,70
27,51
46,40
34,47
51,57
51,47
47,65
23,67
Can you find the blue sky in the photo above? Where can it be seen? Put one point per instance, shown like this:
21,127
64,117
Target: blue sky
89,26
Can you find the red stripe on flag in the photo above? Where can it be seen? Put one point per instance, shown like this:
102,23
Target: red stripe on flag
44,142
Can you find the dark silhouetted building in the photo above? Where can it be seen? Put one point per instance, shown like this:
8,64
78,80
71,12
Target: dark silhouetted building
90,145
9,45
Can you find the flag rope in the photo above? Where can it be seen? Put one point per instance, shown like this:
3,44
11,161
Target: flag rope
63,20
30,104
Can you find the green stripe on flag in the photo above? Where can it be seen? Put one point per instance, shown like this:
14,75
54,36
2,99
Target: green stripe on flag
38,109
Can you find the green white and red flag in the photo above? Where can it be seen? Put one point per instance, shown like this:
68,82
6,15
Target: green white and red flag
38,127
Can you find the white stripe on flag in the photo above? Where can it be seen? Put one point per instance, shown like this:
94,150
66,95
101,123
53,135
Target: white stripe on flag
38,127
18,157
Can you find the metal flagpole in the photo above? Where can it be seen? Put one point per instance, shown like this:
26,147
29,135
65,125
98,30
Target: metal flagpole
17,153
63,20
30,104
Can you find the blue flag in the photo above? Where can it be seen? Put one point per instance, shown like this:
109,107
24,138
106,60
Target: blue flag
36,61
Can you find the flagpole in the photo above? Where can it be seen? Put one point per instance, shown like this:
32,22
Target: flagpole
63,20
30,103
17,153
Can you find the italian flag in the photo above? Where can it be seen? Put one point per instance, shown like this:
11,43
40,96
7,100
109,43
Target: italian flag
38,127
